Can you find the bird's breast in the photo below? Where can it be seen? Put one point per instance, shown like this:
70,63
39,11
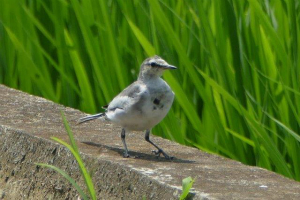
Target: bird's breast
159,103
153,105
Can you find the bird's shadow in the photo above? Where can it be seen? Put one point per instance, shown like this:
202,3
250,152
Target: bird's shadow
140,156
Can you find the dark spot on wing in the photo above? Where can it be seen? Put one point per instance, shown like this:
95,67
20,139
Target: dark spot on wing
154,108
162,105
156,101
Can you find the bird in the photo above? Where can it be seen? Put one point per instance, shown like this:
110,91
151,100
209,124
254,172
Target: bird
141,105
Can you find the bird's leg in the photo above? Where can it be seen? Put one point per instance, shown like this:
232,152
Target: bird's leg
159,150
125,155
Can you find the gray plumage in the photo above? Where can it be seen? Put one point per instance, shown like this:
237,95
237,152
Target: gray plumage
143,104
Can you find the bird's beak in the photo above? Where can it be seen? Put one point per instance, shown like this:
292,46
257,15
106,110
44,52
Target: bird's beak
169,67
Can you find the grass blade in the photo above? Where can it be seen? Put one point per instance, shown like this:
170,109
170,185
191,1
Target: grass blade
64,174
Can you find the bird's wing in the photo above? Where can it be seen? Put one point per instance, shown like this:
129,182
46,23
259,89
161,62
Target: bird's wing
130,97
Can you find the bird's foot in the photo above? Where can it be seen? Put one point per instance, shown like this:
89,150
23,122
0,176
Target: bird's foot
126,155
160,151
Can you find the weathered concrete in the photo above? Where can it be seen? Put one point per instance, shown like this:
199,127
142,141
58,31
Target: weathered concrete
27,122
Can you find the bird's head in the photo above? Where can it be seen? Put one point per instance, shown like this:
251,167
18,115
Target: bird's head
153,67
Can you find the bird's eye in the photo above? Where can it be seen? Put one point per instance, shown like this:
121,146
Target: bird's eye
153,64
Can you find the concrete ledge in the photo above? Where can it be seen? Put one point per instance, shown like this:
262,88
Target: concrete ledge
27,122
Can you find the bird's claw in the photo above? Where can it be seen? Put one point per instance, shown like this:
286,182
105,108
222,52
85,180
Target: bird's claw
127,155
159,152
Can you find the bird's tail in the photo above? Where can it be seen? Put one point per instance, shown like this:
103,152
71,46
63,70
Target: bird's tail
90,117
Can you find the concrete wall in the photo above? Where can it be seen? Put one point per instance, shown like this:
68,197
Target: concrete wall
27,123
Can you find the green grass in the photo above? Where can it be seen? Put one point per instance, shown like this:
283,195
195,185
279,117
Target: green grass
237,85
187,184
84,173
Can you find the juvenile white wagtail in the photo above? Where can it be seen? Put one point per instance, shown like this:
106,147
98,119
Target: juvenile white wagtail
141,105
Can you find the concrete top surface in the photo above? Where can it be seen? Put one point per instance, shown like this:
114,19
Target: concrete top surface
216,177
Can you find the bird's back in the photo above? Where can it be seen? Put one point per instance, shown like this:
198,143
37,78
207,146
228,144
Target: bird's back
141,105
